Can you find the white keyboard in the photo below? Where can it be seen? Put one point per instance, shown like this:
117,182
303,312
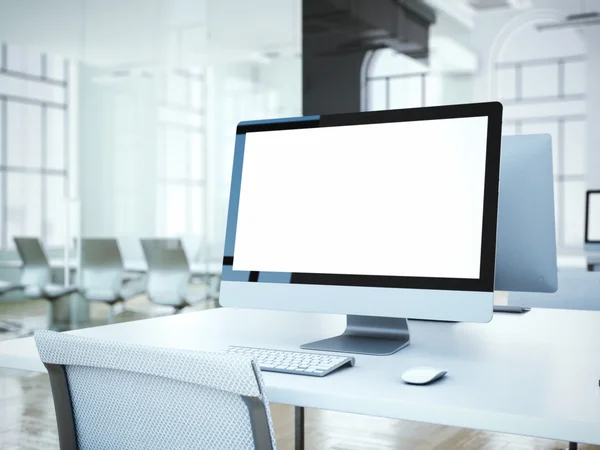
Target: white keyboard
301,363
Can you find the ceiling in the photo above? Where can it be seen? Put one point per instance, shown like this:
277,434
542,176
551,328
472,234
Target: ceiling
152,32
465,11
175,33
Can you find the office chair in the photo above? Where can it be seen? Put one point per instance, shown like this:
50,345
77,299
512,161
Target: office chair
35,279
9,325
169,274
117,395
102,274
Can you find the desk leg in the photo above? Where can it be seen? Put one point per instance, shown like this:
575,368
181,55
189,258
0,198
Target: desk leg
299,428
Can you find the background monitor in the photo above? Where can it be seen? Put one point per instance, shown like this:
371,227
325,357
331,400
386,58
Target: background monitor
592,218
592,229
391,214
526,244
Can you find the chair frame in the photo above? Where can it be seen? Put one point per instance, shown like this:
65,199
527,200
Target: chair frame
65,417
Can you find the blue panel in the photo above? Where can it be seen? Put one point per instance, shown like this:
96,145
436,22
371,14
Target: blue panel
275,277
234,196
230,275
282,120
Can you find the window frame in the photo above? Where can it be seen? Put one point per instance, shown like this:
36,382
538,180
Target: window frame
44,171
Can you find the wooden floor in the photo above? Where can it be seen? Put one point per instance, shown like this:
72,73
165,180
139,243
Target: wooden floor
27,419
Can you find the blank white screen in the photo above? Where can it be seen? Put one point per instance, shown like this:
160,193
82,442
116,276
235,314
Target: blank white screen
401,199
594,218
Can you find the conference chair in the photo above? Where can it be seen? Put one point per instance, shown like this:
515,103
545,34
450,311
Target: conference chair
35,279
102,274
169,275
9,325
117,395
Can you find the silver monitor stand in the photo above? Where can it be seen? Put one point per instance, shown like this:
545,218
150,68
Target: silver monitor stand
367,335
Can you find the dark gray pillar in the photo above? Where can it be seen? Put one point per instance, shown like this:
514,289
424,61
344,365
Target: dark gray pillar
338,36
332,84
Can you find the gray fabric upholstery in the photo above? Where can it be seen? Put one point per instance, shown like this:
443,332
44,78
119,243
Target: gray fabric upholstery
7,286
35,276
54,291
102,270
33,291
138,397
102,295
102,273
169,274
167,287
102,283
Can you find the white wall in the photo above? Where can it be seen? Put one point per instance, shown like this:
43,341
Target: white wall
243,91
492,29
116,123
117,154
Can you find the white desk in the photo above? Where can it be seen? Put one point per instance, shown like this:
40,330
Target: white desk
55,263
533,374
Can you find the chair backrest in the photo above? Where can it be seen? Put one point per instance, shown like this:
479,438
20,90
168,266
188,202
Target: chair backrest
101,265
116,395
165,254
131,250
193,245
168,268
36,268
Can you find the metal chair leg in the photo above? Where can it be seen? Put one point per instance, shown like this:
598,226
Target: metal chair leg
50,314
299,428
111,315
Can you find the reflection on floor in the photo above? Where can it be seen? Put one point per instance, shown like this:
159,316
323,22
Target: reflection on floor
27,419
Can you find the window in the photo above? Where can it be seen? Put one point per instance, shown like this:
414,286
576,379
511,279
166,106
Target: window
33,145
395,81
181,158
547,95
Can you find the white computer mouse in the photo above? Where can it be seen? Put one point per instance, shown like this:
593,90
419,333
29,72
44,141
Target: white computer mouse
422,375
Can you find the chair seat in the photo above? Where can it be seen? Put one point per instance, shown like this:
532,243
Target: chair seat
54,291
102,295
131,291
7,286
33,292
193,298
168,299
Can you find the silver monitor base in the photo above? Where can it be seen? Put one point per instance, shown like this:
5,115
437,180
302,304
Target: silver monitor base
367,335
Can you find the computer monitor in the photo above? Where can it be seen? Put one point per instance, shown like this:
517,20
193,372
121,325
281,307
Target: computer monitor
592,227
592,217
381,216
526,243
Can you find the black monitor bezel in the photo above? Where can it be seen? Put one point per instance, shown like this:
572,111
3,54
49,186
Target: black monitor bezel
485,282
588,194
